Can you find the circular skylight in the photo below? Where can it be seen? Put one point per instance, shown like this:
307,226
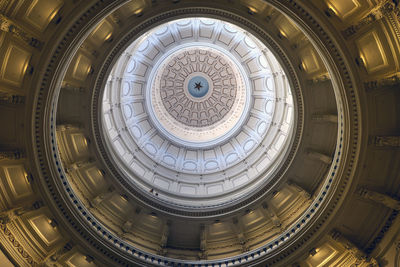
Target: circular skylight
199,111
197,86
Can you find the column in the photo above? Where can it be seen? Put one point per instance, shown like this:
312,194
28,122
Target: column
359,255
240,234
164,238
203,242
270,213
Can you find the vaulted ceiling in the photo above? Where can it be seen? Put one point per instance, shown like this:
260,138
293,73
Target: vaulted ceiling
90,175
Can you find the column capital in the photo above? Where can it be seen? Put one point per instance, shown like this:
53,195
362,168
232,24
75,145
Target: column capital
358,254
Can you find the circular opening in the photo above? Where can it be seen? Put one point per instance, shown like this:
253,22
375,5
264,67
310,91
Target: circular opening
197,86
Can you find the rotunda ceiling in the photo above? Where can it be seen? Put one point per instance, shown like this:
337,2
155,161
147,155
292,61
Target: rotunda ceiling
199,133
161,179
191,106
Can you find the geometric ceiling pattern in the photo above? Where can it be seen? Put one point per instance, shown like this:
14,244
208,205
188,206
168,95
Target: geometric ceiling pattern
202,146
199,133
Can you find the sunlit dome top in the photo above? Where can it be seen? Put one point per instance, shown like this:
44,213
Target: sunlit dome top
198,108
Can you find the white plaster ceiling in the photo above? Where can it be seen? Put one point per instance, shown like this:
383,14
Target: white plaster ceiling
198,121
161,149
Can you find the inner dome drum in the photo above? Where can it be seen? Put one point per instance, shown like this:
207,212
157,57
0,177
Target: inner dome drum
198,110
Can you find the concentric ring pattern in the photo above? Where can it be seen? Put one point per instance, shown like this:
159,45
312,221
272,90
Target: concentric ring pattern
218,135
193,120
229,139
186,92
199,133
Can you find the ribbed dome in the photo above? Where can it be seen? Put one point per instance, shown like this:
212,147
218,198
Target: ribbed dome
198,88
184,143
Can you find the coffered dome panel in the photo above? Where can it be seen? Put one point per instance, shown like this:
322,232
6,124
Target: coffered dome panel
197,87
178,109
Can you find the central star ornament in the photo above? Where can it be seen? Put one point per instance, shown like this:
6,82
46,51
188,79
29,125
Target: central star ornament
198,86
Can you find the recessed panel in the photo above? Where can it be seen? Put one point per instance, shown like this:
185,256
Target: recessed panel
344,8
41,12
42,225
15,64
81,68
372,51
17,180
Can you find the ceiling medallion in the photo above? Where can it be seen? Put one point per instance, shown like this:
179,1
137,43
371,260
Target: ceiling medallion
198,87
198,117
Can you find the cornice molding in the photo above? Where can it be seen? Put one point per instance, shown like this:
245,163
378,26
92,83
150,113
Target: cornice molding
8,236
